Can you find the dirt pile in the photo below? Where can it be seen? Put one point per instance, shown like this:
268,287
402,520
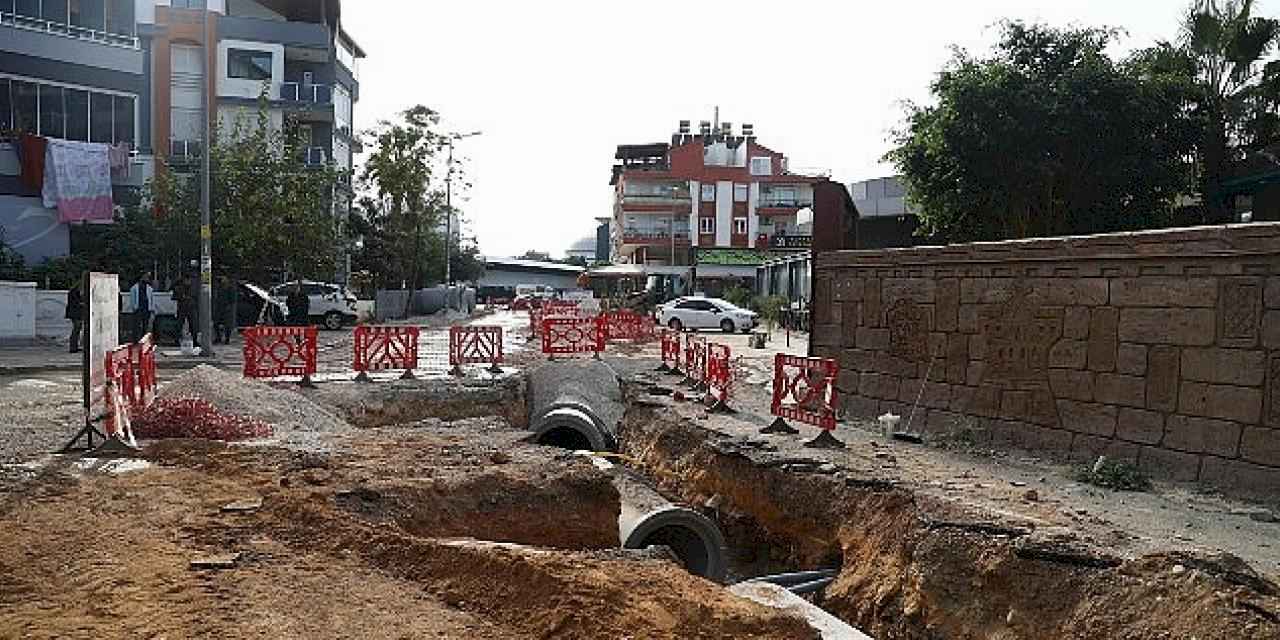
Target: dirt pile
915,566
282,408
409,401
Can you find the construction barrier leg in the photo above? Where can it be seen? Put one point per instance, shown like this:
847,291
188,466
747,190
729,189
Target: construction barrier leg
307,382
718,405
780,426
495,369
824,441
408,375
363,376
456,371
663,368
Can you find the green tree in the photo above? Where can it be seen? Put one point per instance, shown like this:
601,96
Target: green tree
271,211
12,266
1221,55
1047,136
401,216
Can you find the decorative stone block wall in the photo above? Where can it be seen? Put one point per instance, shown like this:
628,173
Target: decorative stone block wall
1161,348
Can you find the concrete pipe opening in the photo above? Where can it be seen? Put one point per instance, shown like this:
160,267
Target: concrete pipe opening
572,428
692,537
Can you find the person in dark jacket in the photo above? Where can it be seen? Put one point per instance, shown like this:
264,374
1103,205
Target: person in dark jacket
75,313
224,304
299,306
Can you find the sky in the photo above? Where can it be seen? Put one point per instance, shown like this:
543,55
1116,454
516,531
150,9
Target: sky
555,86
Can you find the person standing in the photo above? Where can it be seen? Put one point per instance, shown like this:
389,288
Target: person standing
225,306
182,298
142,298
75,313
299,306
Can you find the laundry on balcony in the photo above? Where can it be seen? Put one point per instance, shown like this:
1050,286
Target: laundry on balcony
77,181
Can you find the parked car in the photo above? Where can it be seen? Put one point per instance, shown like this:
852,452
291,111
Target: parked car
695,313
527,301
332,305
253,307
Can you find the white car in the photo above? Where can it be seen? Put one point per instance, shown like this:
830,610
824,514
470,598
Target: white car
706,313
331,305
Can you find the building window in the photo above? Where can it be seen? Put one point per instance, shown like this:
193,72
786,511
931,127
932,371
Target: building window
762,166
247,64
187,4
72,113
740,193
706,225
740,226
708,193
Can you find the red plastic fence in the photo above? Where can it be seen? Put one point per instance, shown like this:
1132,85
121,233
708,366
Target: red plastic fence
671,350
719,374
561,307
379,348
628,325
143,355
535,321
271,352
572,335
803,389
120,392
475,345
695,359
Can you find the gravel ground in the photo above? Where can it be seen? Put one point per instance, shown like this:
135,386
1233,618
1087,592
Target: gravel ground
299,423
37,417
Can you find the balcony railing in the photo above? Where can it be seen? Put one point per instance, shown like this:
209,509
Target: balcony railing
67,30
650,236
315,156
656,199
306,93
788,202
185,150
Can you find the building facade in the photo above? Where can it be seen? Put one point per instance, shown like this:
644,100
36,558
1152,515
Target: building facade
885,218
133,71
716,201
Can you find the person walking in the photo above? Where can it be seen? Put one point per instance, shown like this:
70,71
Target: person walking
225,306
182,298
75,313
299,306
143,301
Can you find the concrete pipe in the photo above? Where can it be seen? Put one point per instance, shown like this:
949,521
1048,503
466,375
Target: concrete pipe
647,519
576,405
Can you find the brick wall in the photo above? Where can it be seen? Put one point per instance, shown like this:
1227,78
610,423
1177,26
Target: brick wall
1162,348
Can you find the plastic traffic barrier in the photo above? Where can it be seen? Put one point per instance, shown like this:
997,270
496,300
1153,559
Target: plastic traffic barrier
273,352
803,391
385,347
475,344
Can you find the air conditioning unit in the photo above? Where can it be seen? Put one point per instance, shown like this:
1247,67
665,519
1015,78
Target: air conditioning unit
726,129
704,127
684,127
748,130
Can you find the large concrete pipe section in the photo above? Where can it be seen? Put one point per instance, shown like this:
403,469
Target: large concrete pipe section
575,404
647,519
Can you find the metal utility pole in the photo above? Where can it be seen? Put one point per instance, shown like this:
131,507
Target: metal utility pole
206,228
448,205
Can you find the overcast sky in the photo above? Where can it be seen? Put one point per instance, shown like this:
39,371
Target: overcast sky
555,86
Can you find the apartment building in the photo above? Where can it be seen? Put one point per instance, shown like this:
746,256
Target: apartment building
717,201
133,71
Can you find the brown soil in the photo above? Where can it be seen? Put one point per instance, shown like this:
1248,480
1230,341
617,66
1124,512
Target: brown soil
400,403
361,543
917,566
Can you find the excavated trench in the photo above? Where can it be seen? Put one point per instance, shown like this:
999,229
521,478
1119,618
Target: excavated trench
908,565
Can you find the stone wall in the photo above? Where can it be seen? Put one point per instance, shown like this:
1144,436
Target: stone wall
1162,348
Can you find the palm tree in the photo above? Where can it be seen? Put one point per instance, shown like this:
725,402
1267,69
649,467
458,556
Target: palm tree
1238,89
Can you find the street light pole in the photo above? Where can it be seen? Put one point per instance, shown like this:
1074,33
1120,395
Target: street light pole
206,228
448,206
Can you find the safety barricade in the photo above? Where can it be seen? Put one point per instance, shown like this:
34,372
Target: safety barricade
618,325
670,353
120,394
561,307
272,352
535,321
380,348
570,335
475,345
143,357
719,378
695,362
803,390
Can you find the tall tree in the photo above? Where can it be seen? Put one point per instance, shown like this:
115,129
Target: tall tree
408,206
1046,136
1223,51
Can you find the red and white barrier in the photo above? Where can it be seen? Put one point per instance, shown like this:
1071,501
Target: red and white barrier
695,362
475,345
670,353
719,377
272,352
804,391
567,336
382,348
